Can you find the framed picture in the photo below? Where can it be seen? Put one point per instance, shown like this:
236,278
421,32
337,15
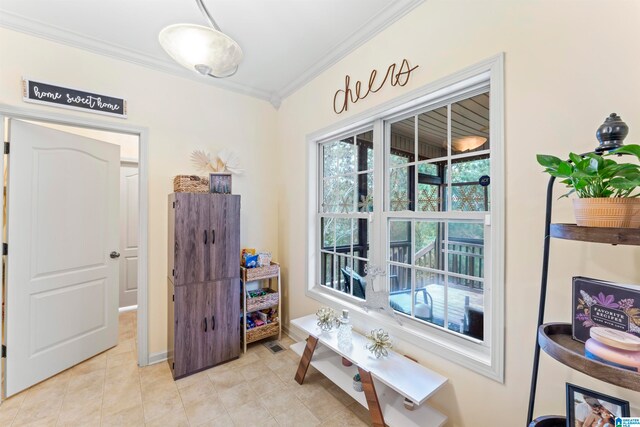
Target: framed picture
220,183
587,408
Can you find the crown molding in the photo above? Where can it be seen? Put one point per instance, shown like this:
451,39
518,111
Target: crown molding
356,39
56,34
366,32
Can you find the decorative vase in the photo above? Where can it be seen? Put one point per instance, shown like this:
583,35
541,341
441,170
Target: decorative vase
611,133
611,212
344,332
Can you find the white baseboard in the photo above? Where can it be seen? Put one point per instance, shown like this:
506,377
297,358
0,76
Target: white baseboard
294,333
157,357
129,308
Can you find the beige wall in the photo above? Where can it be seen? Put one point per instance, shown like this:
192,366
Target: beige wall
568,64
181,115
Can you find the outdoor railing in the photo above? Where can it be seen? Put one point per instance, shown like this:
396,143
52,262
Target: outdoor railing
466,258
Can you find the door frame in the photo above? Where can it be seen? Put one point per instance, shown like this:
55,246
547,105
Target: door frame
124,161
13,112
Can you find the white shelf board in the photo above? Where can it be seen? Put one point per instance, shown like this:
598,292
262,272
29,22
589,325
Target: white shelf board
392,404
406,377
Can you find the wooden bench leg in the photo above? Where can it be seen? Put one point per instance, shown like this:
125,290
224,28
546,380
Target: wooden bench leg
305,360
372,398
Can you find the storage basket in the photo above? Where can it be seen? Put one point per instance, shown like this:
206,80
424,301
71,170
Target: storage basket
264,301
256,334
258,273
190,184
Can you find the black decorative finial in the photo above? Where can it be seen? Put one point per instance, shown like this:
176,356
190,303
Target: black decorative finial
611,133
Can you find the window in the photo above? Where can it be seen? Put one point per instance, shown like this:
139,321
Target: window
415,190
347,198
439,179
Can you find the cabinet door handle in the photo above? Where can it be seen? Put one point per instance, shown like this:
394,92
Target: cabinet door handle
213,323
205,324
213,237
205,237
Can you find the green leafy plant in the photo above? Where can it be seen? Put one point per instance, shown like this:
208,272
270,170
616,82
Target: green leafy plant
594,175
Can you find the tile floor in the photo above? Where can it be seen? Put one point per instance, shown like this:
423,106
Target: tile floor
255,390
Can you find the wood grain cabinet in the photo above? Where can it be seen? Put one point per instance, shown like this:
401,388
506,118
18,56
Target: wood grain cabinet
204,281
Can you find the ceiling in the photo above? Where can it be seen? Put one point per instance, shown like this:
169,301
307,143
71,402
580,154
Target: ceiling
286,43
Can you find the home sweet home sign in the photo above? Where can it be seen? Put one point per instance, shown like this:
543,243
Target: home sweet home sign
48,94
396,75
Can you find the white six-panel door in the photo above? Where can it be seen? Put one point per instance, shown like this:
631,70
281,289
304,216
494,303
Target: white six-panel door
62,284
128,235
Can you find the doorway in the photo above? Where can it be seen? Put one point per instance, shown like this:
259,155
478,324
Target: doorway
133,178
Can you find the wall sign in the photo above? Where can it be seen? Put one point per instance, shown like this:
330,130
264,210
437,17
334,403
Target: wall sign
58,96
400,77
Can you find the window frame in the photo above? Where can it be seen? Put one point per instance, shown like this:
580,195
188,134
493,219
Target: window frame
487,357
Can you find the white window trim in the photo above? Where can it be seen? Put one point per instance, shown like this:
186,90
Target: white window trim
488,361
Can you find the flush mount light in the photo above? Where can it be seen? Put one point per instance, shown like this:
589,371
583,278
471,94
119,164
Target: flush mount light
467,143
205,50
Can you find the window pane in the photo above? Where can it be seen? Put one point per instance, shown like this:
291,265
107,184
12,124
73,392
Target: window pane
327,230
328,275
359,284
471,183
338,157
361,238
342,271
432,134
365,192
364,149
338,195
466,251
402,144
428,247
431,182
400,288
400,241
466,310
429,198
429,297
343,234
401,180
470,124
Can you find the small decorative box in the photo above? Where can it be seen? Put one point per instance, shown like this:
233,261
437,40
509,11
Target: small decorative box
600,303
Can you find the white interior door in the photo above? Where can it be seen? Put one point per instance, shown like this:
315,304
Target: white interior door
62,284
128,235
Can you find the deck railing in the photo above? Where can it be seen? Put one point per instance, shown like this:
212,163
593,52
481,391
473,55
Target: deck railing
465,258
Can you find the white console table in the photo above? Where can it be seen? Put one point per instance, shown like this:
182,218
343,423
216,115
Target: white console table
386,382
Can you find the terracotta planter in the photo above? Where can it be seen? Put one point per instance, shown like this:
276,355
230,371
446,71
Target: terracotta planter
607,212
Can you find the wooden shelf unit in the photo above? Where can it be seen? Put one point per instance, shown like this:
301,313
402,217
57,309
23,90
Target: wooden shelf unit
613,236
555,339
272,278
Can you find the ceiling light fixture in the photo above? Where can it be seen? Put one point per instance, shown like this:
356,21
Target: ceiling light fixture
467,143
206,50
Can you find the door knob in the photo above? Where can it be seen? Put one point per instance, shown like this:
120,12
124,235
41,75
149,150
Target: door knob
114,254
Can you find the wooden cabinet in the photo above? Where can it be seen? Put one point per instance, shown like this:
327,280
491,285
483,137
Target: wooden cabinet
204,282
204,237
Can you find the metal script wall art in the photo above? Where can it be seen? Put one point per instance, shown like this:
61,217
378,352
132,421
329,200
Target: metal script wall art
343,97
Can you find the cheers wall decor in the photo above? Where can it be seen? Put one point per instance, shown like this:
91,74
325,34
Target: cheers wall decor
48,94
395,76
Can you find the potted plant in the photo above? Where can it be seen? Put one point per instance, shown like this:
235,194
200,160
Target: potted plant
608,190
